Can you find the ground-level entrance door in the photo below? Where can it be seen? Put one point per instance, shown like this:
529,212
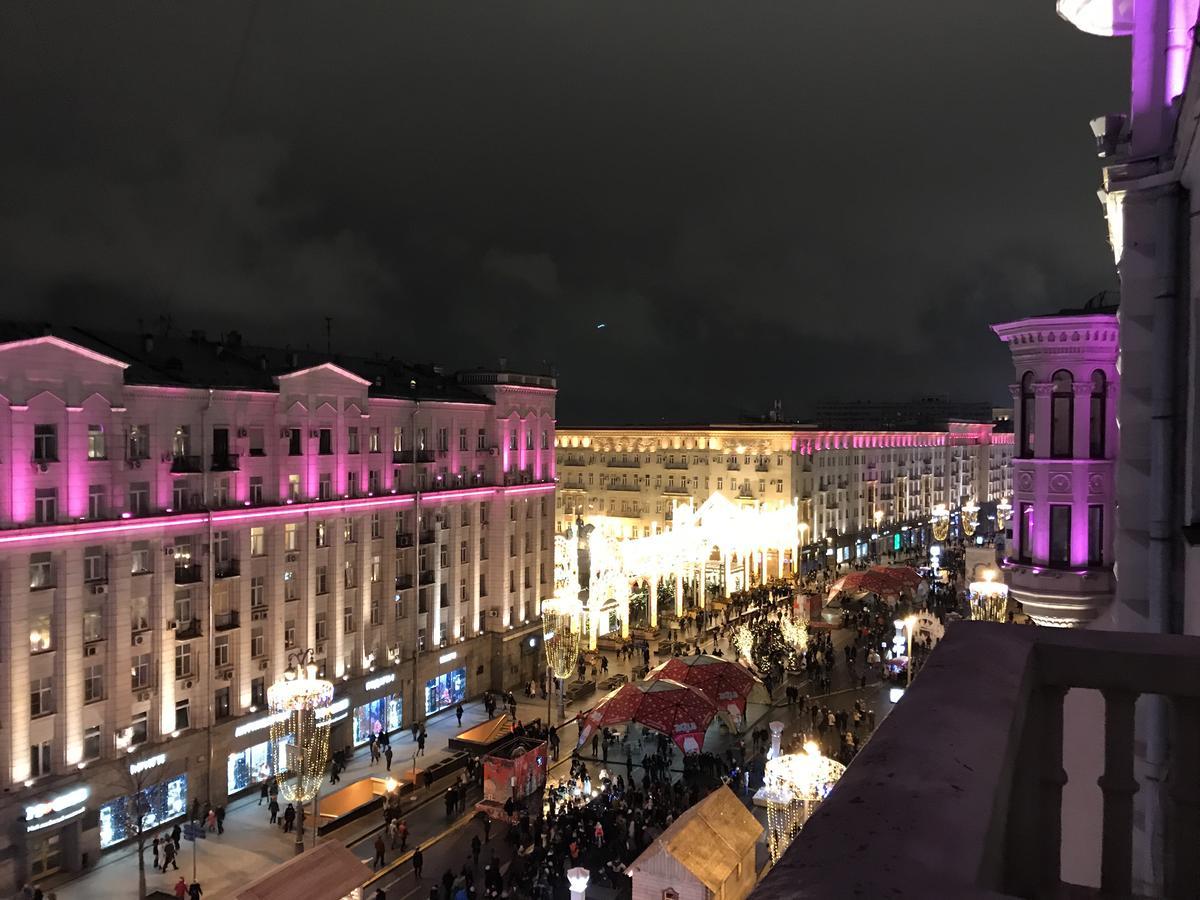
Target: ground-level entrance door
45,856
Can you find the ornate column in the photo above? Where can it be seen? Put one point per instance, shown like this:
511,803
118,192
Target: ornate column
1041,419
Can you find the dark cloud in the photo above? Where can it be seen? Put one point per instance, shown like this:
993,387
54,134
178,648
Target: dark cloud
760,200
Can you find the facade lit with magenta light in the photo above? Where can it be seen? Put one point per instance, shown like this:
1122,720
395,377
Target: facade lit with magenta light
852,491
183,513
1060,563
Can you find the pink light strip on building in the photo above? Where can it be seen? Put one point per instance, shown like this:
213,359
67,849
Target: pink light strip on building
56,534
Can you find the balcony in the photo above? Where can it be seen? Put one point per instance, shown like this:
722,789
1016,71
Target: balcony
227,568
624,464
187,574
969,771
618,486
571,486
182,464
574,461
224,621
762,467
427,577
403,582
682,464
225,462
186,629
733,466
404,540
425,537
675,489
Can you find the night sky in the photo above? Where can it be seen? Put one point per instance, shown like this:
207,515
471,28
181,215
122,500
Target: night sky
760,200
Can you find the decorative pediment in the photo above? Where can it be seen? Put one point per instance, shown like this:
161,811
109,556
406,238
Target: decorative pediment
323,369
59,344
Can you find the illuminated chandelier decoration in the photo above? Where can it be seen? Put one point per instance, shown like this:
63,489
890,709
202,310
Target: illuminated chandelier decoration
940,522
1003,513
794,631
969,516
300,725
561,619
989,599
793,787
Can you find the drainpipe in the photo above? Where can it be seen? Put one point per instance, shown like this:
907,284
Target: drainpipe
416,563
209,579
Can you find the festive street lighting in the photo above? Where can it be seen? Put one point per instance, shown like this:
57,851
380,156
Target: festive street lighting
988,598
940,522
794,631
793,786
743,643
562,621
1003,513
970,518
300,722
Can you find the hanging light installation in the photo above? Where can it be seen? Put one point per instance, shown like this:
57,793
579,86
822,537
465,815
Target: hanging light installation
969,517
940,522
988,599
794,631
743,642
300,705
562,630
1003,513
793,787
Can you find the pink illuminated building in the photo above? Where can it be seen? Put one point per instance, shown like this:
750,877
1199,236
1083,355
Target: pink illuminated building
179,515
1064,404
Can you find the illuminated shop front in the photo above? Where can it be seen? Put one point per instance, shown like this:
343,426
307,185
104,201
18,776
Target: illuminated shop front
381,715
447,689
248,767
162,802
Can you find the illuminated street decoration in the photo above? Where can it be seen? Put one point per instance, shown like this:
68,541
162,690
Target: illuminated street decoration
988,598
743,643
301,716
969,516
940,522
793,786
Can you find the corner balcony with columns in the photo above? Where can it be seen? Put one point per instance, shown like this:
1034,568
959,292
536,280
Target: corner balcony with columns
960,792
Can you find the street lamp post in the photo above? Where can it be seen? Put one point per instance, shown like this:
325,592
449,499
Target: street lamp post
561,635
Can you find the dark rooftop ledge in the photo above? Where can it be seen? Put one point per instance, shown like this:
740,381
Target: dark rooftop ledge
958,794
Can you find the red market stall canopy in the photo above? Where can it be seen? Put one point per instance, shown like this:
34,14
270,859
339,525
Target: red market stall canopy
678,710
906,575
869,582
726,683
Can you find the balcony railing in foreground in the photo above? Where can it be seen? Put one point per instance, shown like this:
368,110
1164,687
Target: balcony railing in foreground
959,792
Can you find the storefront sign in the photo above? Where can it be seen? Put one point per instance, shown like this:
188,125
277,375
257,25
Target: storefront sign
338,706
152,763
59,809
380,681
159,803
447,657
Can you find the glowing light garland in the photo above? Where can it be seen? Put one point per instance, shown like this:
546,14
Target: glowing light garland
561,633
989,599
940,522
300,725
970,518
795,632
743,642
793,786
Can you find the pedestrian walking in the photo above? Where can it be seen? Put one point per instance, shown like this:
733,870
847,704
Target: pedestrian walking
476,847
273,809
402,829
194,890
380,849
458,711
421,742
220,820
210,821
264,793
176,835
387,755
487,828
195,817
169,853
156,852
181,888
418,861
289,816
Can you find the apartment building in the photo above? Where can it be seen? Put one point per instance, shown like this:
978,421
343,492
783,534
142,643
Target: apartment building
853,489
182,515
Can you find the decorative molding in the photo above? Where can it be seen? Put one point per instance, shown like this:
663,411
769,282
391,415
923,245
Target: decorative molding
1095,483
1060,483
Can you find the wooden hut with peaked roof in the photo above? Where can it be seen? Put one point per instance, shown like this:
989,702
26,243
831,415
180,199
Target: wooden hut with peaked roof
708,853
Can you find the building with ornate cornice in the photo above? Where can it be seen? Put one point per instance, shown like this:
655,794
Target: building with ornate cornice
180,515
1060,564
854,491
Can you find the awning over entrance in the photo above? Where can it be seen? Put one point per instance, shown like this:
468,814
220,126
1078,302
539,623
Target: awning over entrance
329,872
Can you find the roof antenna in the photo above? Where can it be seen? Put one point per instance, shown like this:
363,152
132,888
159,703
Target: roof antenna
329,335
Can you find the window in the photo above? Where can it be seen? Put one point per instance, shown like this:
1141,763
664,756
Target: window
349,576
348,531
41,632
1062,414
256,490
462,439
139,614
322,533
139,498
512,545
542,572
483,548
443,595
546,441
1025,533
444,555
91,742
293,488
258,692
481,439
258,541
322,580
462,552
258,643
1028,416
221,703
325,487
183,608
40,758
41,696
482,584
352,440
183,660
139,442
139,558
94,564
291,541
182,715
140,672
1095,536
291,589
1097,414
257,444
325,441
93,625
348,619
45,443
93,683
462,589
1060,534
422,439
397,439
374,444
95,445
376,569
45,505
258,592
96,504
528,583
376,526
140,726
289,634
512,440
443,440
322,628
295,442
376,614
373,481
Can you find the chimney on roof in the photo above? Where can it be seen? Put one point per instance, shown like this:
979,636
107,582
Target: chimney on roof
503,363
262,362
293,360
147,343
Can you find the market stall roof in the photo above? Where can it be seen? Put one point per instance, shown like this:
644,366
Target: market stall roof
328,872
906,575
709,840
868,582
663,705
719,679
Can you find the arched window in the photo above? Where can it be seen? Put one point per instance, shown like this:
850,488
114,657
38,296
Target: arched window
1027,415
1062,408
1098,403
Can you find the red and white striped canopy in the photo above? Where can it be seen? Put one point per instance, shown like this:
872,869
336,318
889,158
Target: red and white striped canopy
675,709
